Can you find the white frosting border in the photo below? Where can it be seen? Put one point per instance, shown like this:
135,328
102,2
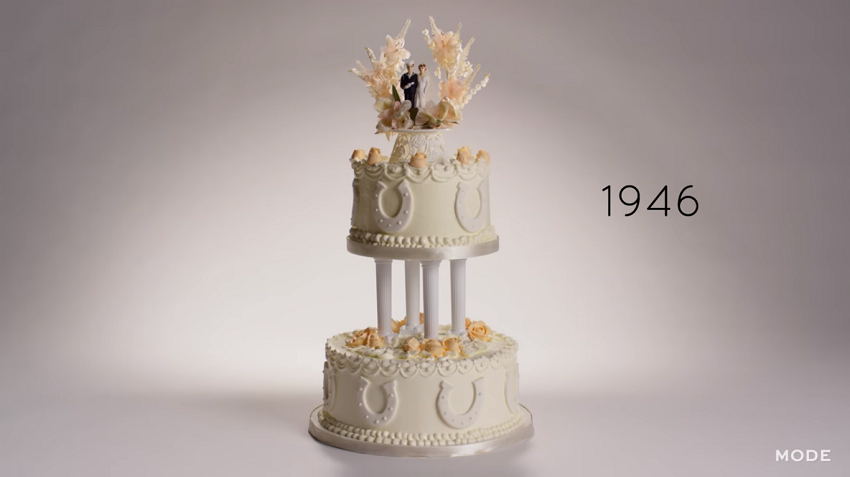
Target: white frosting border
420,439
485,235
436,172
343,359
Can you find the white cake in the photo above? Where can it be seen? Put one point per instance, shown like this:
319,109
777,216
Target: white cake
414,387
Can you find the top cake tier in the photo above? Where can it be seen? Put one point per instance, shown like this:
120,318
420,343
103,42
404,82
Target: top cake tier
421,203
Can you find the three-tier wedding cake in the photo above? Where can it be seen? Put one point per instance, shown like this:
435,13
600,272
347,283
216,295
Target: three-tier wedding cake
414,387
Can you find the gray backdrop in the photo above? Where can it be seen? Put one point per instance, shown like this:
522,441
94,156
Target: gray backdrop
175,195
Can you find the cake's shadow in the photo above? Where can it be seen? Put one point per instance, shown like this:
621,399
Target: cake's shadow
507,461
289,412
273,410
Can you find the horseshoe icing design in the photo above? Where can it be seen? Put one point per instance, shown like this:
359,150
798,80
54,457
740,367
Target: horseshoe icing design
511,391
330,387
460,421
405,213
472,224
377,418
355,186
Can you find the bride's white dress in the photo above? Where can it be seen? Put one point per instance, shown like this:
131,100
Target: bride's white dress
423,92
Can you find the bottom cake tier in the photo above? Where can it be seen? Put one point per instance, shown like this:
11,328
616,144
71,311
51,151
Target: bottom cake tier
399,396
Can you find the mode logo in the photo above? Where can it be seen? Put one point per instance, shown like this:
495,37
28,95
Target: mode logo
798,455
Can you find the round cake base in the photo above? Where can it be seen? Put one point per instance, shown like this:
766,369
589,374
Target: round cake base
520,434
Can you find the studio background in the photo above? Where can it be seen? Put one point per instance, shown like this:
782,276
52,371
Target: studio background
175,197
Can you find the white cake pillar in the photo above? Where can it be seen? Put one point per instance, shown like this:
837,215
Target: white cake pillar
384,280
411,294
458,296
431,289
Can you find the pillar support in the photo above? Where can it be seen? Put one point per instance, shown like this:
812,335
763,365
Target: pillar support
411,295
431,290
384,282
458,268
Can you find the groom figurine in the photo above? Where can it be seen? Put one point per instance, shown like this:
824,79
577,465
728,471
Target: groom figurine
410,83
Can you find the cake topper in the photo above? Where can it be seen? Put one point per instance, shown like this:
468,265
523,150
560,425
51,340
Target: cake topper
385,79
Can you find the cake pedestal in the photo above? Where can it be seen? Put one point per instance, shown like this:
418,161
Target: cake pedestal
426,141
520,434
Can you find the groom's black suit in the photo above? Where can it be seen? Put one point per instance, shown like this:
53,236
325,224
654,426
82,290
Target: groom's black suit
410,92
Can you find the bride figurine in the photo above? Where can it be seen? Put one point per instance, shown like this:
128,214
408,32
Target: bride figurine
422,88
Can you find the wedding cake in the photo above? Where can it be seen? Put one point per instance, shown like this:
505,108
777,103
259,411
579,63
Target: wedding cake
414,387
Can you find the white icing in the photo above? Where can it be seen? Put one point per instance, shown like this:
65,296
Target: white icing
499,353
355,187
398,222
383,417
329,387
418,384
485,235
435,172
460,421
420,439
432,221
512,390
472,224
